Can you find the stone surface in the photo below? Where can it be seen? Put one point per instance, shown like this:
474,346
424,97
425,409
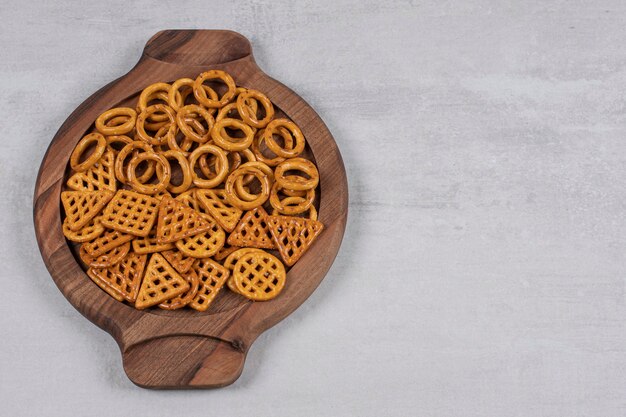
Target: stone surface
483,269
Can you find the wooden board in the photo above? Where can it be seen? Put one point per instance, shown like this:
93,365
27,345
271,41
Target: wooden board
188,349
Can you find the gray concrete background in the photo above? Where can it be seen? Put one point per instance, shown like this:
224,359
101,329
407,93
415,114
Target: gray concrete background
483,269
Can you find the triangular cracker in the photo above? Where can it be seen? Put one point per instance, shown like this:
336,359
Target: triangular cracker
252,231
177,221
131,212
185,298
101,176
82,206
178,260
293,235
121,280
216,204
161,282
212,278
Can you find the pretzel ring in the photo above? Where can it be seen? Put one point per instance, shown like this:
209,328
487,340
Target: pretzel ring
201,94
184,147
294,201
123,154
248,113
294,130
296,182
221,166
150,111
187,82
156,91
164,174
256,147
235,200
111,140
184,167
185,113
240,181
234,160
112,116
83,144
225,141
290,210
225,111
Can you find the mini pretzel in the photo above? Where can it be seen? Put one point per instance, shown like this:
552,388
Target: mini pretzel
184,167
297,201
294,130
240,181
187,127
123,154
82,146
295,182
108,123
164,174
226,111
235,200
184,147
111,140
259,139
161,137
155,91
225,141
290,210
248,113
176,88
221,165
201,94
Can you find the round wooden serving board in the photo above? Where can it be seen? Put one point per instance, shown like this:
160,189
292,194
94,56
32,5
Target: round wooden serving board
188,349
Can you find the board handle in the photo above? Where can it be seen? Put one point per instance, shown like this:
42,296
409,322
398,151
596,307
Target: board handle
198,47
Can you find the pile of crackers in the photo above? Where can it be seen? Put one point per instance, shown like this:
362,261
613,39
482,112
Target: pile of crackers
173,250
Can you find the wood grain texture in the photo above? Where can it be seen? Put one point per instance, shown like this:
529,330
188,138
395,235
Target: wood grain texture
185,349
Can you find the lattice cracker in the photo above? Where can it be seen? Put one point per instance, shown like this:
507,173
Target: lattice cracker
216,204
259,276
252,231
90,231
203,244
293,235
121,280
131,212
101,176
160,283
109,240
177,221
185,298
82,206
107,259
212,278
178,260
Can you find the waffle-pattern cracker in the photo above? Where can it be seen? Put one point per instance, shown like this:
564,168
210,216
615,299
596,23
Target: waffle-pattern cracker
229,263
121,280
204,244
160,283
252,231
82,206
217,205
109,240
178,260
259,276
177,221
293,235
131,212
88,232
185,298
149,244
212,278
101,176
105,260
189,199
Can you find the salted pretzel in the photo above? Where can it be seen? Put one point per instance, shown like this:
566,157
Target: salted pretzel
117,121
83,144
259,199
